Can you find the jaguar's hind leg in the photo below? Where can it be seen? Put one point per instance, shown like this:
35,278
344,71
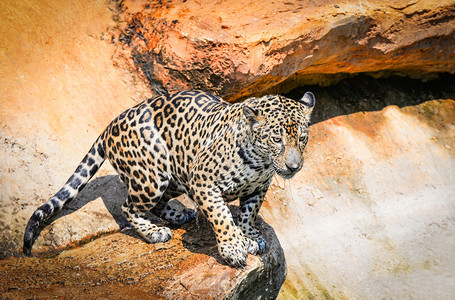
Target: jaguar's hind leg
145,190
135,215
140,156
171,213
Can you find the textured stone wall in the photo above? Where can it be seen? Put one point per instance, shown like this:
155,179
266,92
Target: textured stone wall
372,215
242,48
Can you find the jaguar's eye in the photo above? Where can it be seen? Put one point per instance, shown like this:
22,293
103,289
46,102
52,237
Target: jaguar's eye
276,139
303,138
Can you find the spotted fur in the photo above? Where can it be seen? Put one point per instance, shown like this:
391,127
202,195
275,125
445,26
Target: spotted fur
195,143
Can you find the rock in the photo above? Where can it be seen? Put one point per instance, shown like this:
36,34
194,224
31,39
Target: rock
237,49
95,212
188,267
60,90
371,214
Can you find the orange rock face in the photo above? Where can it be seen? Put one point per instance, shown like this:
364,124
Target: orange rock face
56,74
242,48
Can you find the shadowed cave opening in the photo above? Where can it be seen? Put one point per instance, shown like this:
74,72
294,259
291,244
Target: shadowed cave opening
365,93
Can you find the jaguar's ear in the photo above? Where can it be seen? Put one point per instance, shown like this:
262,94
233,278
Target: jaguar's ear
308,100
251,115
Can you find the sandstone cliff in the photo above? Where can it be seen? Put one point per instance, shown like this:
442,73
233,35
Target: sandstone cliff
242,48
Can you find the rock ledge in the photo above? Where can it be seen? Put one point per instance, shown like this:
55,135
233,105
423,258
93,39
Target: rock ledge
188,267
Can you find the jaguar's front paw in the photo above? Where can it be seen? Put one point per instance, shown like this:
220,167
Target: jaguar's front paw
255,246
262,244
234,253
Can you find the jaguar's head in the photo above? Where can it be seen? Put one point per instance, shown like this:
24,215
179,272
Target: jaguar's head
279,128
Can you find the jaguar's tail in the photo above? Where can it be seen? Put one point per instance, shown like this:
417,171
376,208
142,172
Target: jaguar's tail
86,169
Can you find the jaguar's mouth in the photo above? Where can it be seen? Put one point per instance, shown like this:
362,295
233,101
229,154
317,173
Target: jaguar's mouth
286,173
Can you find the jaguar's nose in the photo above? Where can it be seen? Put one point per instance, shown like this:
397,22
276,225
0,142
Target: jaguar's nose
292,160
292,166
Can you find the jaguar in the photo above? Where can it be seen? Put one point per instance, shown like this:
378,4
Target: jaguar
195,143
